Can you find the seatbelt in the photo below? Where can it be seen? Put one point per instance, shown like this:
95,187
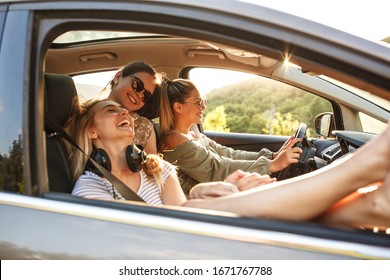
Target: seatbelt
126,192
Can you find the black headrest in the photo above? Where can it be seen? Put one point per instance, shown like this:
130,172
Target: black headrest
60,94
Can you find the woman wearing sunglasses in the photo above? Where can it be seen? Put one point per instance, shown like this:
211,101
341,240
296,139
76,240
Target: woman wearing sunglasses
199,158
133,87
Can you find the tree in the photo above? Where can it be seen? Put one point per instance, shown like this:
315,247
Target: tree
283,124
248,106
2,163
216,120
12,168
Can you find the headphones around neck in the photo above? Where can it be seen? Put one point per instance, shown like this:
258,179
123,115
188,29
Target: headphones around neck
135,156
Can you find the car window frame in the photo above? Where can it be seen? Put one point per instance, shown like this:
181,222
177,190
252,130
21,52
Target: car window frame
32,89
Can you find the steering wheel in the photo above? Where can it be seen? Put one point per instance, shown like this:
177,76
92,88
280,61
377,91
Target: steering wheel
304,163
300,133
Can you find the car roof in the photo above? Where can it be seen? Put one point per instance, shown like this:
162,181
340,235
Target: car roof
278,28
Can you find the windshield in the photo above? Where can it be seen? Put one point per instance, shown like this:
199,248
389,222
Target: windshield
381,102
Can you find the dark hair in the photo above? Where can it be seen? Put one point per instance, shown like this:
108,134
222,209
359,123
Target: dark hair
137,66
134,67
151,109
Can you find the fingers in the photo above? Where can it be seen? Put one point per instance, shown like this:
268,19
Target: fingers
235,176
212,190
293,155
285,158
296,152
287,143
253,180
294,141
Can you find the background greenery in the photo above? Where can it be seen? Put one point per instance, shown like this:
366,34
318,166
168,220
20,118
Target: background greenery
251,106
11,168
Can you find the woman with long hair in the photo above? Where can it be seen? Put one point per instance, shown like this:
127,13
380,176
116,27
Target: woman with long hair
199,158
135,88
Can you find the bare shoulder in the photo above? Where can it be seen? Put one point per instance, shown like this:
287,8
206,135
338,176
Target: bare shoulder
173,139
142,121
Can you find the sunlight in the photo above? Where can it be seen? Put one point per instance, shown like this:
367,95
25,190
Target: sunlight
286,61
367,189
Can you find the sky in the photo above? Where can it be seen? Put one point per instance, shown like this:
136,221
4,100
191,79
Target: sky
367,19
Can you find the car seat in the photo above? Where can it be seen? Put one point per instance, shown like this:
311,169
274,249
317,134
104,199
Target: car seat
60,95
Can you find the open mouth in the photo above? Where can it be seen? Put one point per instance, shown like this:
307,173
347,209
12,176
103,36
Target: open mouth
124,123
132,99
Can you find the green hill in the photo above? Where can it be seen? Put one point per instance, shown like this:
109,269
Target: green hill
248,104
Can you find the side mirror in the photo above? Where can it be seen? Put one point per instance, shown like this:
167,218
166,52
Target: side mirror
324,124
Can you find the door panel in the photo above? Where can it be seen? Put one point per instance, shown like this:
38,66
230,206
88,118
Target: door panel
247,142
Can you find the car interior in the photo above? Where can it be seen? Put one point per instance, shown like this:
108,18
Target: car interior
65,61
60,95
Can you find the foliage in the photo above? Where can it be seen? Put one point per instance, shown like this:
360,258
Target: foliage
252,105
11,168
216,120
282,125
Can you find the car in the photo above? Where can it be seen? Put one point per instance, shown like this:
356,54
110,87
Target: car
259,68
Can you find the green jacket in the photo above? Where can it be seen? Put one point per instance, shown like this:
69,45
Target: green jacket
207,161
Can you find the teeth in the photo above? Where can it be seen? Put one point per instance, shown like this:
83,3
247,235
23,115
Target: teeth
123,123
132,99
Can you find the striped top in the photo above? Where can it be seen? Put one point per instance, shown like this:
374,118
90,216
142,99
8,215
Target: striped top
91,185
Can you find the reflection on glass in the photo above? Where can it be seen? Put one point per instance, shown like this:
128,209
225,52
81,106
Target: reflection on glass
325,124
11,144
11,168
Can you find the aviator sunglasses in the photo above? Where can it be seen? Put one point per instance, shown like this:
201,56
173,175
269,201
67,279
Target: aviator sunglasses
200,103
138,86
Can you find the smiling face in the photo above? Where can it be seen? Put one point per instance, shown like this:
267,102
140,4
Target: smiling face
192,108
125,93
111,123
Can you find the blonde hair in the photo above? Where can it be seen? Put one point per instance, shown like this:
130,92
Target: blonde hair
171,92
77,128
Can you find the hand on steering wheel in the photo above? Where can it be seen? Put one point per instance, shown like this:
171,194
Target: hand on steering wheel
296,149
288,154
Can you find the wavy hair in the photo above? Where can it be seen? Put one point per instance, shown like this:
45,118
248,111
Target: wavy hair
77,128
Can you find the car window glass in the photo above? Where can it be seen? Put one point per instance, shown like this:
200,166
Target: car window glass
11,108
370,124
379,101
246,103
11,144
92,35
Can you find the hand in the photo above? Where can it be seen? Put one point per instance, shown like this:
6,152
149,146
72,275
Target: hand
287,155
248,180
212,190
285,145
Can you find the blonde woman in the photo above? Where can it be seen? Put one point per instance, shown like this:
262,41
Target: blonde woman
105,125
198,158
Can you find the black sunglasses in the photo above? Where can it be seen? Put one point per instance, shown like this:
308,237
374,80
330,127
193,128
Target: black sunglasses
138,86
